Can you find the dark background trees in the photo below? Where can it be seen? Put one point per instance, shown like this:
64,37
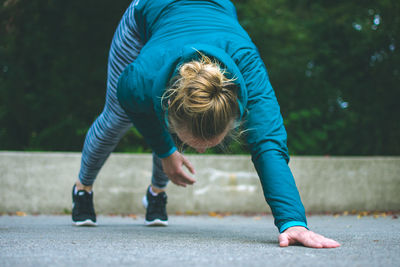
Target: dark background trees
335,67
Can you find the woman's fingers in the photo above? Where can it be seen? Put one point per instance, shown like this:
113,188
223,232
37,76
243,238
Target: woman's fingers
311,241
317,241
283,240
173,168
329,243
182,175
179,183
323,241
181,178
178,178
185,178
188,165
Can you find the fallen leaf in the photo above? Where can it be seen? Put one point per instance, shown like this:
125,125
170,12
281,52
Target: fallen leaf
190,212
133,216
67,211
212,214
364,213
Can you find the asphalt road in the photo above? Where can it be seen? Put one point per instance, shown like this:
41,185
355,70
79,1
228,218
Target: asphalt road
193,241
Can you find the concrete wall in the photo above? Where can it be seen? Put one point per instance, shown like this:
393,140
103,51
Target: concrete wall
41,182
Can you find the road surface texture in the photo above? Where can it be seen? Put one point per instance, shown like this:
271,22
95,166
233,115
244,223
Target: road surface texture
194,241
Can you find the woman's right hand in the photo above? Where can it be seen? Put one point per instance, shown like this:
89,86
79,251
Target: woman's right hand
172,166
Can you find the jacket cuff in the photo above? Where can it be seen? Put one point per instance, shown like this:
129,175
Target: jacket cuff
169,153
291,224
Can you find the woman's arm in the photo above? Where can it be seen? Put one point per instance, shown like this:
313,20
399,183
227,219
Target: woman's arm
266,137
133,96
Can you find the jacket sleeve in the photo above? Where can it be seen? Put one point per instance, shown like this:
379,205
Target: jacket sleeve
136,100
266,137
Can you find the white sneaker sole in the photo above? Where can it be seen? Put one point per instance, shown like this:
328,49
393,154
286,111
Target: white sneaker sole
156,222
87,222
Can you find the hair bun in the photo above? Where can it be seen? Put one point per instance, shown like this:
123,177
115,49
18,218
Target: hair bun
190,70
204,77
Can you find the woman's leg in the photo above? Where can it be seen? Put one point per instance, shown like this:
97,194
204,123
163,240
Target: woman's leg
155,200
102,138
159,179
113,123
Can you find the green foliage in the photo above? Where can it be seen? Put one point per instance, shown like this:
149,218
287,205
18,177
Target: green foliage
53,68
335,69
334,66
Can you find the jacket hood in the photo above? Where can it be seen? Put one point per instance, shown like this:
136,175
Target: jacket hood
191,52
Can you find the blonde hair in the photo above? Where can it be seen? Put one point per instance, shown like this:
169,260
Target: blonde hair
202,100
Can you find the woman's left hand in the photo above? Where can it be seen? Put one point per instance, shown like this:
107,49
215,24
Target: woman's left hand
300,235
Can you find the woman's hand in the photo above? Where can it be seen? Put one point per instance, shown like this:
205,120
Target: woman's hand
300,235
172,166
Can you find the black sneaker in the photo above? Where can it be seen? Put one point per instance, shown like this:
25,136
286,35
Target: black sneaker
82,208
156,212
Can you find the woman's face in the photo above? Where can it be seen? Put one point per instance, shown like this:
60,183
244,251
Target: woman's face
200,145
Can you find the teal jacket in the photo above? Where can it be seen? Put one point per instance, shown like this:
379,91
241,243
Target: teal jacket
172,32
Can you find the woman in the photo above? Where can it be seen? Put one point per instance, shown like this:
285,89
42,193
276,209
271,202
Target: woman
189,68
